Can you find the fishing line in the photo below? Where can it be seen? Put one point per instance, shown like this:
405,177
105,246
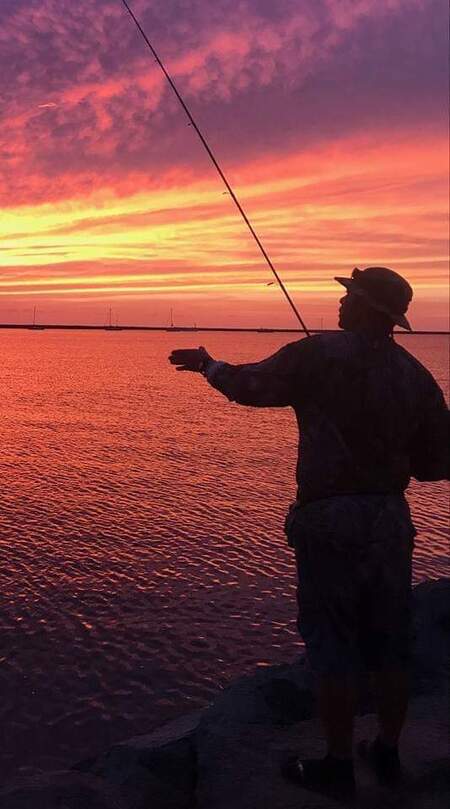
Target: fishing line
216,164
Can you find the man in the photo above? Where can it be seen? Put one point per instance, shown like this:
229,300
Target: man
370,417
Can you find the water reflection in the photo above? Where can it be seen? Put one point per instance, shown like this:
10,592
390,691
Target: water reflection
143,559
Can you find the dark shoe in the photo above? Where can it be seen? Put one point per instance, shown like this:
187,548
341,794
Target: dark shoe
384,761
328,775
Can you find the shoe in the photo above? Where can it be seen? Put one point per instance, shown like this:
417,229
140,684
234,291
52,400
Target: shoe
384,761
329,776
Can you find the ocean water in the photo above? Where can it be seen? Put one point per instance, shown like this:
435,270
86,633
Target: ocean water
143,559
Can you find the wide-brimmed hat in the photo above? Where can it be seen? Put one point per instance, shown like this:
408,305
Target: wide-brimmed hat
383,289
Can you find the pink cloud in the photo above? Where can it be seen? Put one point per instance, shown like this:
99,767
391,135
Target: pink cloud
88,97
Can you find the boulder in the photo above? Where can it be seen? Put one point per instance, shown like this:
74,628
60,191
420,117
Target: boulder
237,762
239,767
431,648
159,770
274,695
60,790
155,771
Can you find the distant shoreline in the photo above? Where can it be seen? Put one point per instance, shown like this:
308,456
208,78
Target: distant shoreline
187,329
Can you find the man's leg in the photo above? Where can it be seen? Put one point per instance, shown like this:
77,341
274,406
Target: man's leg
391,644
327,596
327,621
392,693
337,701
333,774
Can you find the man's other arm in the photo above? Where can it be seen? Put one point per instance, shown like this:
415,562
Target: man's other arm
430,451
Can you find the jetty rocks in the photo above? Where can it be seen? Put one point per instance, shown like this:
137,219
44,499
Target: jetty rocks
228,755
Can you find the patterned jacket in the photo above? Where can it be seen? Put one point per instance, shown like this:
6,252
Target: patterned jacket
370,415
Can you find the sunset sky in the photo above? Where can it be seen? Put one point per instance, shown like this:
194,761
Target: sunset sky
328,116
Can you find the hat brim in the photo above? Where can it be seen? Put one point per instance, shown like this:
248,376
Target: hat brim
349,284
346,282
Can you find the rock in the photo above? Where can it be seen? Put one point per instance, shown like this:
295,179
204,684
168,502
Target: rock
242,771
236,765
156,771
160,770
60,790
275,695
431,649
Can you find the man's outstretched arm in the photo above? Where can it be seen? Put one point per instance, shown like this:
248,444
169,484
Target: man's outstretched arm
273,382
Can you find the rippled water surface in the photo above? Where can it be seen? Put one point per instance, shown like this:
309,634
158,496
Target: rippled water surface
143,561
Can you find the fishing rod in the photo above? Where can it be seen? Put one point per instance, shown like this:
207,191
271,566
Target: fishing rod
216,164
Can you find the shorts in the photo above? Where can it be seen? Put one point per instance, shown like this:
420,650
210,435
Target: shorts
354,559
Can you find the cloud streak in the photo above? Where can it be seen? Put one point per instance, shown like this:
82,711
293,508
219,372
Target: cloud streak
329,210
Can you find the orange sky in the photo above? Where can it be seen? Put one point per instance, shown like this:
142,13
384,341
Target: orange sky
108,199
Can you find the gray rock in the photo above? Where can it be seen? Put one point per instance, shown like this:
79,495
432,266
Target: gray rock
160,770
60,790
237,735
276,695
239,767
156,771
431,649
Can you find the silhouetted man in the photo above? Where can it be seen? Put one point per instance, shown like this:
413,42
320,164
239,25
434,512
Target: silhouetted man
370,417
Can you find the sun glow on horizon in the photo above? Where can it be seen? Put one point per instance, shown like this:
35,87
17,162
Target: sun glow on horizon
312,213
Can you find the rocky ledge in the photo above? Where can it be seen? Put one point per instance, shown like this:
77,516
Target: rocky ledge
228,755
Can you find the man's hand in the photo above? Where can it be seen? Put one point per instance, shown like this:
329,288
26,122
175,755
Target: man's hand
189,359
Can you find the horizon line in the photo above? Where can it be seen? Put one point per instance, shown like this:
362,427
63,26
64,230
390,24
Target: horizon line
262,329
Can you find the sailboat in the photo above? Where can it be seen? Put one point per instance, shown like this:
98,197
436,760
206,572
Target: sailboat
111,326
35,326
172,326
